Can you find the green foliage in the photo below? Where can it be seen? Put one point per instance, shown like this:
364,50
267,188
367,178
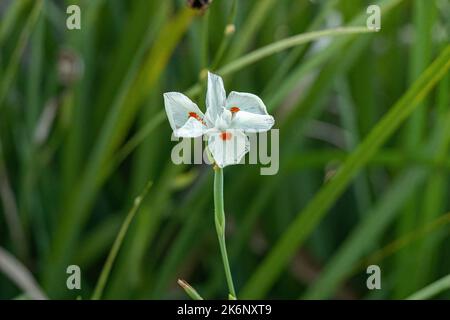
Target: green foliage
364,124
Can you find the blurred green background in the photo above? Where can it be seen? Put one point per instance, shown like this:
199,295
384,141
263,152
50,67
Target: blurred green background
364,158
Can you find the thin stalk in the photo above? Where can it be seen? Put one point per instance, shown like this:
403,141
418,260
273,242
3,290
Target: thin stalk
431,290
219,218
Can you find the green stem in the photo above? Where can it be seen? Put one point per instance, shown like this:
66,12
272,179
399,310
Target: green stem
219,217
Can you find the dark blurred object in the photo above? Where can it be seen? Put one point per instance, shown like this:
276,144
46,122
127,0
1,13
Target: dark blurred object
199,4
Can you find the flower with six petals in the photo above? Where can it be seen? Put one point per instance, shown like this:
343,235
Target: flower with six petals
225,123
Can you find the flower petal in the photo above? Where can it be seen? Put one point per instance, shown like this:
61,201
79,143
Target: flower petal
228,147
242,101
251,122
180,109
193,128
215,97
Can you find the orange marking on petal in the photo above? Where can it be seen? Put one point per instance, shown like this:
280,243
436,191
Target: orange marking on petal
225,136
234,109
197,117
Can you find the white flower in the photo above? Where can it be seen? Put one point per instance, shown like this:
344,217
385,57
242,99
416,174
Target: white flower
225,123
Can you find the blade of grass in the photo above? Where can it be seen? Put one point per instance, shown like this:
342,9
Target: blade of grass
101,283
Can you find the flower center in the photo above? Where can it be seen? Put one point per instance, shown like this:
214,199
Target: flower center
225,136
197,117
234,109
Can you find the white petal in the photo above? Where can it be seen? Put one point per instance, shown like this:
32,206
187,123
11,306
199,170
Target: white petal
228,147
250,122
246,102
192,129
215,97
178,109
